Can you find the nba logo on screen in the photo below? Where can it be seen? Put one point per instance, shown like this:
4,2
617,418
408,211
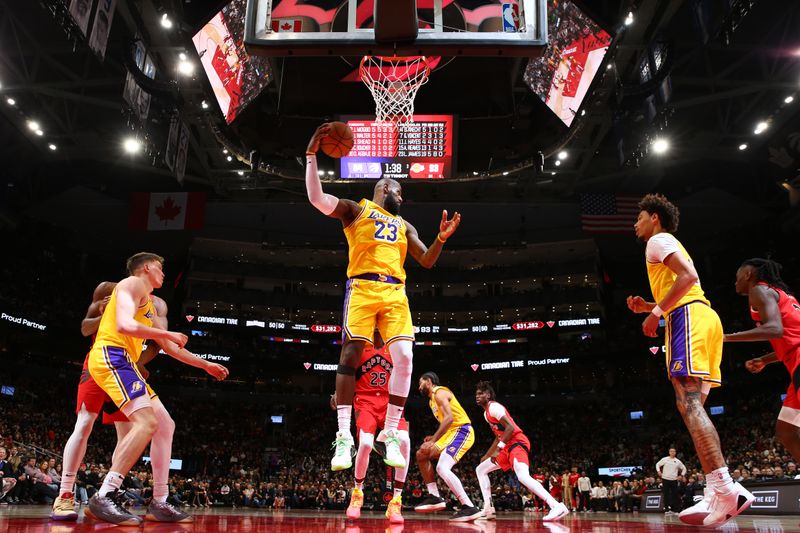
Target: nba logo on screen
510,18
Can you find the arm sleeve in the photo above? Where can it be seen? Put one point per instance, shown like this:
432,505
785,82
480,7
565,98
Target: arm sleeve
497,411
325,203
661,246
659,464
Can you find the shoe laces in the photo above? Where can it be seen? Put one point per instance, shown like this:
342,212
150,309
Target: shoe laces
115,499
341,444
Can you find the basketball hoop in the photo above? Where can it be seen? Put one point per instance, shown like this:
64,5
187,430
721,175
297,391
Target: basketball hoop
394,82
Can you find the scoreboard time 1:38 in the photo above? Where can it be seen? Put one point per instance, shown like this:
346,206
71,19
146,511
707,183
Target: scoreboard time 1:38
422,149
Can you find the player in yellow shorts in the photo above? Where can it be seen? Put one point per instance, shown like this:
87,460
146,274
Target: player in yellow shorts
378,239
452,440
694,352
127,320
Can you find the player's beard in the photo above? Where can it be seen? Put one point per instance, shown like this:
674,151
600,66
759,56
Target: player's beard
391,205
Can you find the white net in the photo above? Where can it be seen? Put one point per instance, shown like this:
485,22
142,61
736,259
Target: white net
394,82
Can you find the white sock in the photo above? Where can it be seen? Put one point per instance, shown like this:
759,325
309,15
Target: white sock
405,451
161,451
720,480
360,485
524,477
397,492
345,414
483,480
393,414
111,483
365,441
433,490
443,468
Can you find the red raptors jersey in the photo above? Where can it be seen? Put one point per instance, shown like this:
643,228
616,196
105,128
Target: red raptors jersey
573,479
497,426
372,377
786,346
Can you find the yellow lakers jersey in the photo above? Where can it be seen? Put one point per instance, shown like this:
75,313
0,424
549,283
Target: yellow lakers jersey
377,242
459,415
662,278
107,334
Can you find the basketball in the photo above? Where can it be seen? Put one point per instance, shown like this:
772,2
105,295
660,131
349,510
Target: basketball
339,140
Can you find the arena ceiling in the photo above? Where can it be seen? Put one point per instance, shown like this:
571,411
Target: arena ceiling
717,80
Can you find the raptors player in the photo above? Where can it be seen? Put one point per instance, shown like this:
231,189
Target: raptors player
369,405
509,451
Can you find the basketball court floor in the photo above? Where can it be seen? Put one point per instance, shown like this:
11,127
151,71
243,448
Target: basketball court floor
33,519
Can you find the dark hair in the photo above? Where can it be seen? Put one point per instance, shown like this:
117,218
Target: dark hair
136,261
484,386
667,213
768,271
431,376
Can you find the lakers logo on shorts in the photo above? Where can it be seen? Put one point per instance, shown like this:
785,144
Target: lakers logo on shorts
136,386
451,449
677,366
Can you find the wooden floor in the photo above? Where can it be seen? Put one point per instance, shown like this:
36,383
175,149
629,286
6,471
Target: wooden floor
34,519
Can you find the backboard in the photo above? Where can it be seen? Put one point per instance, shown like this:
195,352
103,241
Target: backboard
514,28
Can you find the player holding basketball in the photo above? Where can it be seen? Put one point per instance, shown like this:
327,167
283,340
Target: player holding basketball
369,405
378,239
125,323
694,351
777,316
454,436
509,451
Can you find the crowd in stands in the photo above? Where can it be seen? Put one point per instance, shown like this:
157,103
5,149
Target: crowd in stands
233,454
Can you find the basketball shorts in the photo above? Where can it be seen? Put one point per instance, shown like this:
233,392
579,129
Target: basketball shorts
457,441
90,394
115,372
518,449
370,414
694,343
368,304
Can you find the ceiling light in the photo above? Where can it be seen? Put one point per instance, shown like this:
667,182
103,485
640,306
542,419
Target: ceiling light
557,163
505,173
52,146
629,18
788,100
185,67
743,146
11,101
562,154
240,172
660,146
330,173
224,150
166,22
583,112
229,158
33,125
39,133
182,56
760,127
204,104
132,145
552,173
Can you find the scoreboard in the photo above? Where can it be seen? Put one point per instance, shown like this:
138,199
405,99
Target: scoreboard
422,149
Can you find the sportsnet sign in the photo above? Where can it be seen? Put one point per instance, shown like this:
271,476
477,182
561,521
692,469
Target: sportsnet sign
618,471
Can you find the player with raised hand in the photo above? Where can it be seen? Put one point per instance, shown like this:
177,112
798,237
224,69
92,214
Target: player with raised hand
378,240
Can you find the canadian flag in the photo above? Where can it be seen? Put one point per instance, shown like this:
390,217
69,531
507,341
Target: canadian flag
156,211
287,25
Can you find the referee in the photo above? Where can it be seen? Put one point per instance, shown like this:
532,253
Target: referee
669,468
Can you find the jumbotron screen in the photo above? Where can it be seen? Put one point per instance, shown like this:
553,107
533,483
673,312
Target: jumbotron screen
235,77
422,149
561,77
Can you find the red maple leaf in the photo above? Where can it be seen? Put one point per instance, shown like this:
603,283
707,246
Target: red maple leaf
286,26
168,210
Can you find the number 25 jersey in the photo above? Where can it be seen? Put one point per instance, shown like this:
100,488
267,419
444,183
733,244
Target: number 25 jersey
372,374
377,242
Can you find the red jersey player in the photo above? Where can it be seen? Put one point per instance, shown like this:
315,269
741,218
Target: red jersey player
777,315
509,451
369,406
